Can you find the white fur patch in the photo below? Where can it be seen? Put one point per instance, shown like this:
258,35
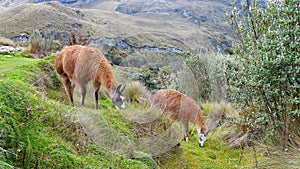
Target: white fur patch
123,98
123,105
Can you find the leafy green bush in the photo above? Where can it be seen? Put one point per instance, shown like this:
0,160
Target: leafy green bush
147,78
203,76
155,78
265,82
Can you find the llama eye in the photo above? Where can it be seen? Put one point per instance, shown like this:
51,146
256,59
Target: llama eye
119,99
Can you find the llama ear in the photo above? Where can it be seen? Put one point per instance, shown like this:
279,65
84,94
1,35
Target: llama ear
118,88
122,89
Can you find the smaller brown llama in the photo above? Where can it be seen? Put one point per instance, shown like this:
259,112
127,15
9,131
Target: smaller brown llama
182,108
81,64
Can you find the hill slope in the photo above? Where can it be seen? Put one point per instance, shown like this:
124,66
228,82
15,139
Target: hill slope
49,18
181,24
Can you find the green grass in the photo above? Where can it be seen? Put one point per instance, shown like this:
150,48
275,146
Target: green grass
216,154
13,61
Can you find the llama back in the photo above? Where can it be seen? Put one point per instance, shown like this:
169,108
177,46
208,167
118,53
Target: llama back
167,101
179,106
82,64
89,60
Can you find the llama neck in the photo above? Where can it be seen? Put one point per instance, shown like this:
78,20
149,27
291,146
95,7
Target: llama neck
110,85
200,122
105,77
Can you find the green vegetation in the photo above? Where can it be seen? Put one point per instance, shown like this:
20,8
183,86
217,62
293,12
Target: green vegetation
203,76
136,92
215,154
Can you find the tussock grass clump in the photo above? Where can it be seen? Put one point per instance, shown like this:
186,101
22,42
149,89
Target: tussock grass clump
39,46
222,114
220,110
36,42
136,92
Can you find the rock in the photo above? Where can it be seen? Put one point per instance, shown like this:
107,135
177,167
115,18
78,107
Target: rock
123,8
6,42
77,25
6,49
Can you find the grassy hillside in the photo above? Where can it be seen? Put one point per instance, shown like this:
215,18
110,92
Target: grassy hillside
37,132
40,130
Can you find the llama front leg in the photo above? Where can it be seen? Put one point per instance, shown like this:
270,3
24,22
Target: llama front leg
185,130
83,93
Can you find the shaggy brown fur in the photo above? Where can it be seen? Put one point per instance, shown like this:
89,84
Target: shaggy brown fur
81,64
180,107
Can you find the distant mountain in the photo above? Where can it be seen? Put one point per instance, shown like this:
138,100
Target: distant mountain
176,24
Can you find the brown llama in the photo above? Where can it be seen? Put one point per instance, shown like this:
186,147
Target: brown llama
81,64
182,108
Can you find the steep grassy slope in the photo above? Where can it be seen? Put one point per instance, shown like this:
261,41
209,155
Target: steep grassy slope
37,132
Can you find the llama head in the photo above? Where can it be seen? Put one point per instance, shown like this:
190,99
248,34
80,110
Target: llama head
117,98
202,136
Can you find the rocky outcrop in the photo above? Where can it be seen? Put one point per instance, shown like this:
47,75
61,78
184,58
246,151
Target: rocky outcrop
119,43
61,1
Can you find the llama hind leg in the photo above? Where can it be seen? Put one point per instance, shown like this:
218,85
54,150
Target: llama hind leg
69,88
96,93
